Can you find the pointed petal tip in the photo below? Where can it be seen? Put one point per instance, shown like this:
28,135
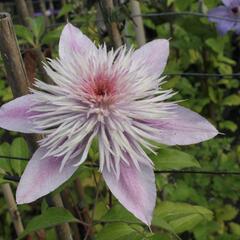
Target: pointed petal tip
134,189
42,176
72,40
15,115
154,54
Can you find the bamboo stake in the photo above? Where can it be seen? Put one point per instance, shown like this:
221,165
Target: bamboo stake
1,7
40,58
51,6
30,7
44,11
70,205
15,69
113,30
63,230
63,2
14,65
138,22
22,11
12,207
17,77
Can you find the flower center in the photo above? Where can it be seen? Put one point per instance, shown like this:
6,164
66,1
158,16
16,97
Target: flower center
101,90
235,10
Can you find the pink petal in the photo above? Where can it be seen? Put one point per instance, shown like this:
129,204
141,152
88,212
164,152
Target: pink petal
223,26
154,54
135,189
185,127
42,176
231,3
15,115
72,40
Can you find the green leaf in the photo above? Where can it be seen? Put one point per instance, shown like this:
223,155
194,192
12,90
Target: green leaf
173,159
216,44
5,162
49,218
212,94
38,27
24,33
67,8
235,228
117,231
228,125
19,148
226,213
232,100
52,36
119,214
181,216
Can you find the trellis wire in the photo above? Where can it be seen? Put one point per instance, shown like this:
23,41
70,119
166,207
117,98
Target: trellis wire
188,13
203,75
163,14
207,172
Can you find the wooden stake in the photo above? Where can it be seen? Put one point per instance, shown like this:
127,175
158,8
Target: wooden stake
63,230
23,12
44,11
17,77
16,73
138,22
30,7
12,207
113,30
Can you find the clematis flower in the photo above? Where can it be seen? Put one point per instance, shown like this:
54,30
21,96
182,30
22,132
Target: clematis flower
230,10
113,97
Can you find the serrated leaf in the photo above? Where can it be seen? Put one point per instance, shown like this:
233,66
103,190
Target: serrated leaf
49,218
167,158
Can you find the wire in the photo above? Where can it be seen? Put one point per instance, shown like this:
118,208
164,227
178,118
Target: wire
163,14
199,172
15,158
209,172
185,13
11,178
205,172
204,75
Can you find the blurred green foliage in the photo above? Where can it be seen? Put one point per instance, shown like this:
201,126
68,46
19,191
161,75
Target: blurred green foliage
189,206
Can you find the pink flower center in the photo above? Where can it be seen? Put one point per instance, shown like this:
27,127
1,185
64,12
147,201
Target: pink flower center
101,90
